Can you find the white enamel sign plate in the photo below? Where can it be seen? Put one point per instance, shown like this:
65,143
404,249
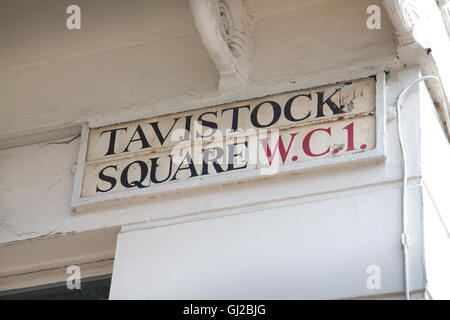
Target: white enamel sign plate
286,132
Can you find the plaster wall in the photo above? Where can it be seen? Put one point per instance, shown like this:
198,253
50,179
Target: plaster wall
64,78
347,217
44,172
435,153
353,211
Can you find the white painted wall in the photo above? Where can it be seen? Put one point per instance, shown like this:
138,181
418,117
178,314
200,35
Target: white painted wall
122,80
167,69
312,248
325,216
24,220
312,235
435,153
309,235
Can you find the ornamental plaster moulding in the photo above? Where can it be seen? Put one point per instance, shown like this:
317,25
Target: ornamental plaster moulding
444,6
409,18
423,40
224,27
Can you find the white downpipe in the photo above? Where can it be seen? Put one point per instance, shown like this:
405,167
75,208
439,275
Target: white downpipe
405,174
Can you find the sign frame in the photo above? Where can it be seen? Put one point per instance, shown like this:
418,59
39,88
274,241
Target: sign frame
80,203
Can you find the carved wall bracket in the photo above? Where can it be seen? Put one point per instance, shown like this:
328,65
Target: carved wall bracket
224,28
423,40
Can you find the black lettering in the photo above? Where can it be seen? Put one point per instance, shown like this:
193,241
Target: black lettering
106,178
208,124
336,109
234,122
141,138
136,183
206,159
190,167
288,107
276,114
158,132
112,139
232,155
187,129
155,165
